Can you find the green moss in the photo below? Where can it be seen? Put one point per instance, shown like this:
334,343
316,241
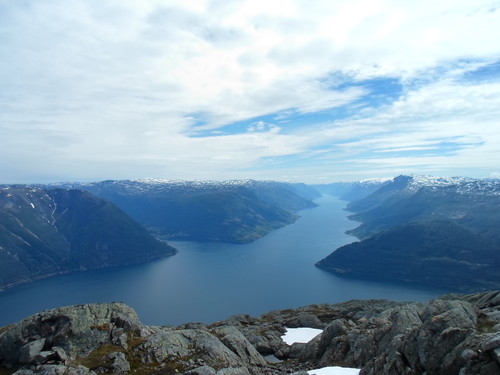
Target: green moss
103,327
6,328
485,325
99,357
134,340
6,371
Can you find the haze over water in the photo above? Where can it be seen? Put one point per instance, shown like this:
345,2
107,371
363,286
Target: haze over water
206,282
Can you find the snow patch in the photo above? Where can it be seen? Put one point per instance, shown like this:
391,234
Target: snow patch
300,335
334,370
32,205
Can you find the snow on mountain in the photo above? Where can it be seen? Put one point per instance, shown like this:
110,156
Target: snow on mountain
462,185
156,184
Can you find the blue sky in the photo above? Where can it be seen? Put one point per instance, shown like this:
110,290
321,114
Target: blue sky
312,91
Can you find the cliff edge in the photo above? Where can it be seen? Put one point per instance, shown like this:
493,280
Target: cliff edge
457,334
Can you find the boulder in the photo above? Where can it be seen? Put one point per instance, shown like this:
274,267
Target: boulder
119,363
56,370
492,342
29,351
234,371
203,370
235,341
77,330
451,335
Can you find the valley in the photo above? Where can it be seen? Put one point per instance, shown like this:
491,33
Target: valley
416,233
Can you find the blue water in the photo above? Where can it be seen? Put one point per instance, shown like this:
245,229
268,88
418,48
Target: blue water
206,282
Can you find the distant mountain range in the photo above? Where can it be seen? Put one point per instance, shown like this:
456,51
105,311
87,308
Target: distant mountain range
350,191
239,211
443,232
49,230
44,232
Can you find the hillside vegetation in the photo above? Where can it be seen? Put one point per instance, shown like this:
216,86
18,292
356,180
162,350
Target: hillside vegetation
227,211
51,231
439,232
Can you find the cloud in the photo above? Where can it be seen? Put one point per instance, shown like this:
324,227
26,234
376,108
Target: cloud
157,88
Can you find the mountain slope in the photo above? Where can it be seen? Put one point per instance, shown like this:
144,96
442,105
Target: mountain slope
45,232
350,191
442,232
228,211
471,203
439,254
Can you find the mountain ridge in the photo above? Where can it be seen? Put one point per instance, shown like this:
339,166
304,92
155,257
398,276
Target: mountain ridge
235,211
44,232
427,230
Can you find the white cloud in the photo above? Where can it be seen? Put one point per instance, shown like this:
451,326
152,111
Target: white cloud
92,89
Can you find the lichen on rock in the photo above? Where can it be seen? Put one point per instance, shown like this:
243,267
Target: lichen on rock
451,334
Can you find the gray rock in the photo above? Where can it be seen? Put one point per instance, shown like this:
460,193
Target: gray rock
119,363
76,329
337,328
45,357
266,338
496,354
29,351
212,348
309,320
469,354
171,344
296,350
492,342
61,355
24,371
443,336
236,342
53,370
56,370
164,344
234,371
203,370
119,337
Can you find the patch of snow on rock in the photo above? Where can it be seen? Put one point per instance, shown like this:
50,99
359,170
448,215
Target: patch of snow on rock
334,370
300,335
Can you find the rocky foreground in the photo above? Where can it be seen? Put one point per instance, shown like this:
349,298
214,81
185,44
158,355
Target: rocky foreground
455,334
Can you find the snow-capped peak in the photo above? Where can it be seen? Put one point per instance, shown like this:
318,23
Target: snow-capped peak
463,185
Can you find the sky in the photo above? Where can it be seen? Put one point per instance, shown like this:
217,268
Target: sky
294,90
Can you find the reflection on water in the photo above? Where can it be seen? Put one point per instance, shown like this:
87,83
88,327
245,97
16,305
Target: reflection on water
208,282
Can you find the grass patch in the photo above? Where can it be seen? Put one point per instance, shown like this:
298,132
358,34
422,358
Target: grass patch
485,325
6,371
5,328
103,327
99,357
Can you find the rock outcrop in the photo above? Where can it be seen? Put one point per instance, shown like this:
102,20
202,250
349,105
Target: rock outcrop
455,334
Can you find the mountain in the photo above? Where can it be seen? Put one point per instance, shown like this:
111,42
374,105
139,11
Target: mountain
227,211
471,203
349,191
441,232
453,334
440,254
45,232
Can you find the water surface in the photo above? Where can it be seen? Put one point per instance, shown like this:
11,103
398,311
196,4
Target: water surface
206,282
